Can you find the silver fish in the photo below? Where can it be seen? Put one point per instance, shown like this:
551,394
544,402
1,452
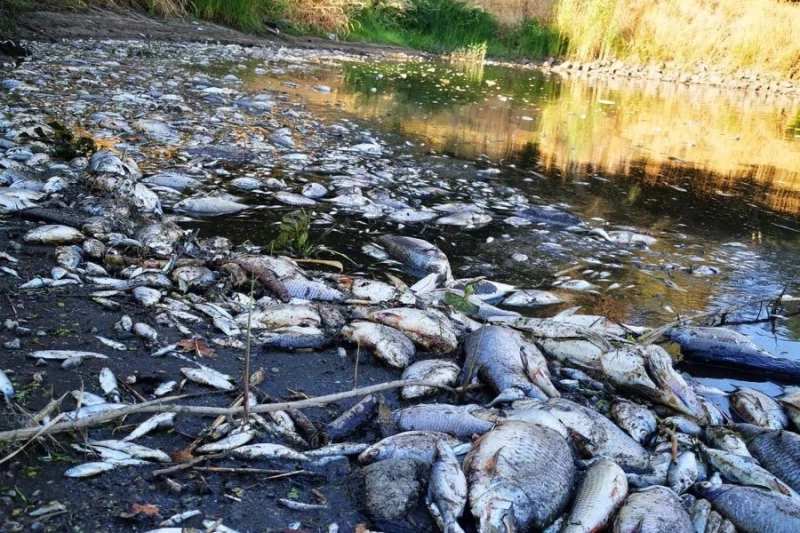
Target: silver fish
532,298
295,338
205,377
566,342
418,254
638,421
209,206
145,331
367,289
69,257
746,470
700,513
655,509
301,506
447,490
281,315
147,296
112,343
87,398
60,355
161,420
791,400
388,344
431,330
6,387
727,440
439,371
520,477
777,451
230,442
457,420
134,450
89,469
92,410
757,408
412,216
165,388
753,509
176,519
464,219
683,473
420,445
337,449
500,357
312,290
265,450
603,489
108,382
54,234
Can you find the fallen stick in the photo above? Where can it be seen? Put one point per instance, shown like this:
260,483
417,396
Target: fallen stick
163,405
273,474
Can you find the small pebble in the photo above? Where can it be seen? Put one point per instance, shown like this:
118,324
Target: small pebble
12,344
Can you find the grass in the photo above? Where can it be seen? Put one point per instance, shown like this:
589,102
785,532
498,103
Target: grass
10,11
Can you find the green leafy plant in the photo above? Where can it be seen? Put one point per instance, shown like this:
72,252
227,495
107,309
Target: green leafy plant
63,141
460,302
293,237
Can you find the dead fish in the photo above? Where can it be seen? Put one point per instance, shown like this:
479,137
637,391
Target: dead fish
54,234
420,445
447,490
230,442
209,206
683,473
548,214
108,382
746,470
282,315
603,489
176,519
501,358
87,398
464,219
69,257
484,289
566,342
726,439
367,289
89,469
388,344
205,377
532,298
147,296
165,388
295,338
270,451
418,254
438,371
145,331
338,449
412,216
577,285
93,410
290,198
753,509
791,400
161,420
124,324
757,408
431,330
60,355
134,450
111,343
638,421
777,451
350,420
6,387
300,506
725,347
458,420
312,290
520,477
655,509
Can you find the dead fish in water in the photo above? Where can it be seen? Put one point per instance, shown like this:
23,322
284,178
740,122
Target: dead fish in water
312,290
338,449
412,216
637,420
500,357
726,439
388,344
577,285
420,445
6,387
566,342
87,398
655,509
147,296
134,450
295,338
176,519
60,355
603,489
209,206
269,451
439,371
431,330
145,331
757,408
205,377
596,435
281,315
532,298
745,470
89,469
350,420
458,420
550,215
367,289
228,443
447,490
112,343
93,410
484,289
598,324
753,509
301,506
464,219
54,234
165,388
725,347
418,254
108,382
161,420
683,473
777,451
520,477
791,400
69,257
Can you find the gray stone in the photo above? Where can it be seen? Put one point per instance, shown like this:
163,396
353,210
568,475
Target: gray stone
392,487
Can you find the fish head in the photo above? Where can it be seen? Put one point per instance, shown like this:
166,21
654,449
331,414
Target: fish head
497,516
375,453
710,491
750,431
675,391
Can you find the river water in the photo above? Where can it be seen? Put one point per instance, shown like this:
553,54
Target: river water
714,175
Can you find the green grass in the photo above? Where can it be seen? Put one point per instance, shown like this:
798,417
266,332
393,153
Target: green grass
244,14
448,25
10,11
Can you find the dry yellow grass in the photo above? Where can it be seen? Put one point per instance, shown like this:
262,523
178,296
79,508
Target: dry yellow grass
326,15
513,12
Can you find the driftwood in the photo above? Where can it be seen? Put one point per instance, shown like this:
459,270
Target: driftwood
165,405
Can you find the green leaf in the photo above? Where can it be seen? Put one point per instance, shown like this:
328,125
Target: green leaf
294,493
460,303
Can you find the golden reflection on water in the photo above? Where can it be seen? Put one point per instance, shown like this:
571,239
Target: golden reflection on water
711,140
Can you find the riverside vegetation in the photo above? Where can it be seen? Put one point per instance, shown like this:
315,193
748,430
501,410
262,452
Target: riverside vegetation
732,34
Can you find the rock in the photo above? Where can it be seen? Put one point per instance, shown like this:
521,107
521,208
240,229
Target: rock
392,487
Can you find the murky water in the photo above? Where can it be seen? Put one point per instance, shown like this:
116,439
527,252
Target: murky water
714,175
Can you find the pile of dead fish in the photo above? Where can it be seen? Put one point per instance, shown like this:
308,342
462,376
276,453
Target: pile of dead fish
564,423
